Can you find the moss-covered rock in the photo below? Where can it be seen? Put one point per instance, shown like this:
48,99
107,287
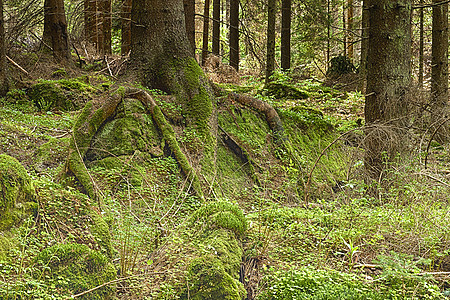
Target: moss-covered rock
283,90
74,268
17,193
51,154
60,94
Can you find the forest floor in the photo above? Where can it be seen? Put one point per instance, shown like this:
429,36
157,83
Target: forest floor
315,228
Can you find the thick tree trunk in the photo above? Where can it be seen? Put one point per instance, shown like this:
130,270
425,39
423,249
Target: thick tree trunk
349,32
439,67
389,74
3,72
234,34
205,50
189,13
216,28
126,27
285,34
55,29
270,59
106,14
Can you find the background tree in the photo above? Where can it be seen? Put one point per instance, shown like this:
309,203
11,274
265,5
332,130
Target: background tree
189,13
234,34
286,34
216,28
206,20
439,65
3,73
55,29
126,27
388,79
90,20
421,46
364,44
106,19
270,58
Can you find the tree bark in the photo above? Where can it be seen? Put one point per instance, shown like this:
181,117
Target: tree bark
126,27
234,34
189,13
90,20
389,73
106,15
421,32
270,59
216,28
439,65
364,45
349,31
286,34
3,68
205,50
55,29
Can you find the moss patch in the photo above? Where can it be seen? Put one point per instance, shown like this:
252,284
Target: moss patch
75,268
17,193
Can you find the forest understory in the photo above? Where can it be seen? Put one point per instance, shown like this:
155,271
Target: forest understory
282,216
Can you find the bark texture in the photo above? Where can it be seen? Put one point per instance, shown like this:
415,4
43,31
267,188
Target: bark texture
126,27
286,34
205,50
389,73
364,45
270,59
439,67
3,73
90,20
234,34
216,28
189,12
106,13
55,29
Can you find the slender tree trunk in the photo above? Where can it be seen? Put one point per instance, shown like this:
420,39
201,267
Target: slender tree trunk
344,27
106,26
126,27
364,45
286,34
389,75
270,60
216,28
328,33
3,67
350,29
439,67
189,13
421,31
234,34
55,29
206,19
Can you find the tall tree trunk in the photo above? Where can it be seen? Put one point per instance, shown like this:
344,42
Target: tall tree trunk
421,32
328,33
344,28
439,67
161,57
189,13
3,68
90,20
106,14
126,27
270,60
286,34
206,19
364,45
216,28
234,34
55,29
389,75
349,32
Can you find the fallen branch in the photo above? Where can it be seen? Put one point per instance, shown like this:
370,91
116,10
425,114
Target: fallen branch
18,66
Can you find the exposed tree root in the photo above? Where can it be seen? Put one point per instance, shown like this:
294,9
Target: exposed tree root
92,118
272,117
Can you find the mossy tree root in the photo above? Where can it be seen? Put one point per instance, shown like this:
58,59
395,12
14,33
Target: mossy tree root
272,117
169,135
90,120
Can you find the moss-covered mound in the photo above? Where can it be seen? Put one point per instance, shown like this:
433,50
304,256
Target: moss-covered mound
17,193
215,273
284,90
60,94
74,268
51,155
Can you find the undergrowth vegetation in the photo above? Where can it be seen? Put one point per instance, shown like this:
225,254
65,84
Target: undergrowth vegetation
286,220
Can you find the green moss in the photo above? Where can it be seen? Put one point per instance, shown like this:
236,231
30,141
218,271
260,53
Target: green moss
17,193
75,268
51,154
305,118
5,245
60,73
285,90
100,231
